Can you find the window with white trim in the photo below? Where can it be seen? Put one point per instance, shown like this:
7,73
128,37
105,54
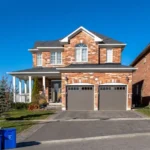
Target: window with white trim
81,52
109,55
39,59
56,58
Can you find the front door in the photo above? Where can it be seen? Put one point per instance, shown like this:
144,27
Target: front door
55,91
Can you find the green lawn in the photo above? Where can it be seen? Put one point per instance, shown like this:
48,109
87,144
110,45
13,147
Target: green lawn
145,111
13,115
20,126
27,115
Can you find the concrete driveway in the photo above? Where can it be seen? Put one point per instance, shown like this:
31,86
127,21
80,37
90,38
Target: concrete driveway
103,115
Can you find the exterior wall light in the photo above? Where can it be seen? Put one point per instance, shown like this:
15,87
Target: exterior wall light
127,78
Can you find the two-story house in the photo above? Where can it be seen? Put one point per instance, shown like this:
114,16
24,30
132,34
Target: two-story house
141,78
82,71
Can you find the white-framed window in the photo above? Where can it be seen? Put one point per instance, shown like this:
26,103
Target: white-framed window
56,58
39,59
109,55
81,52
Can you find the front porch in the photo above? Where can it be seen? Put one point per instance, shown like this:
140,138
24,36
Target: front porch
49,83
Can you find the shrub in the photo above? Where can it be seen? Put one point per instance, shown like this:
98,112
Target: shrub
42,102
35,91
19,105
33,107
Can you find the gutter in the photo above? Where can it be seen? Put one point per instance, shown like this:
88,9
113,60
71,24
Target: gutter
96,68
31,72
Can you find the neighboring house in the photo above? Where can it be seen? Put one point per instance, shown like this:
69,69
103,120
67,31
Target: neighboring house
84,68
141,78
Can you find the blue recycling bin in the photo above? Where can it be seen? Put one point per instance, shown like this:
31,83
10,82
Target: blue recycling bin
8,138
0,142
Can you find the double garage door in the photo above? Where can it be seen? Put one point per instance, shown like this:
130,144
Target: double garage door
111,97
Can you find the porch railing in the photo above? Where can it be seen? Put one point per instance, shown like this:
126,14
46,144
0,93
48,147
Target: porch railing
24,98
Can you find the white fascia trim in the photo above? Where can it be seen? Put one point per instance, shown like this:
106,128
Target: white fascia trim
31,72
113,44
97,39
50,47
96,68
32,50
37,49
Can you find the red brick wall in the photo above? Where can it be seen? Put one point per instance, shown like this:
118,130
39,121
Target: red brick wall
68,54
143,74
96,79
116,55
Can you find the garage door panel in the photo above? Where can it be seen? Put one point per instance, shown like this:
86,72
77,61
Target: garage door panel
80,97
112,97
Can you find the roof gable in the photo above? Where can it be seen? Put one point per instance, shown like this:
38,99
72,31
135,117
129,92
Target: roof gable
66,39
141,55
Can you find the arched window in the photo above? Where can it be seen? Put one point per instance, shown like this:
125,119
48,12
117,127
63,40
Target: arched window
81,53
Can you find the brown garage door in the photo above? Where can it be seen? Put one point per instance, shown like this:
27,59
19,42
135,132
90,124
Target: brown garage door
112,97
80,97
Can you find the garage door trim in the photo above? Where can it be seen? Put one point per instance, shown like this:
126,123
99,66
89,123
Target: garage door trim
118,85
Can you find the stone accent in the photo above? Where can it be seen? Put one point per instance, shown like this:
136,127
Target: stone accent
96,79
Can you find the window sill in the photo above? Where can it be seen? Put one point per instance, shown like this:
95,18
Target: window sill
56,64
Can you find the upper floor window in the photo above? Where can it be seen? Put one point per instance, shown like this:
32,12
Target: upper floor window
56,58
81,53
39,59
109,55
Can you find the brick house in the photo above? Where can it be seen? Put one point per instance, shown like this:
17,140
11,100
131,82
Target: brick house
141,78
82,71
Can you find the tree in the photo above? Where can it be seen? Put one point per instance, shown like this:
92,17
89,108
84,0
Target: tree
5,94
35,91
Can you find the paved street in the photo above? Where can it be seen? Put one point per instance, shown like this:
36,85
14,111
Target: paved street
71,130
81,129
129,143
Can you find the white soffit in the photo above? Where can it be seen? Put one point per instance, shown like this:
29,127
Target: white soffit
96,38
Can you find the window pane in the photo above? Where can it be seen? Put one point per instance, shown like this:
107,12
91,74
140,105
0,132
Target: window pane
39,59
84,54
109,55
58,57
78,54
53,58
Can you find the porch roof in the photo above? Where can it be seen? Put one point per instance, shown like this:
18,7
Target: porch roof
35,71
97,67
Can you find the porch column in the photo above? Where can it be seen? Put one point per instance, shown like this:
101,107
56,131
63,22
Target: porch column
14,89
44,84
30,89
20,89
25,87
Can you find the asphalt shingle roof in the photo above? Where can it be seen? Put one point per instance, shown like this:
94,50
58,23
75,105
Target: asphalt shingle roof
38,69
112,65
57,43
141,55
